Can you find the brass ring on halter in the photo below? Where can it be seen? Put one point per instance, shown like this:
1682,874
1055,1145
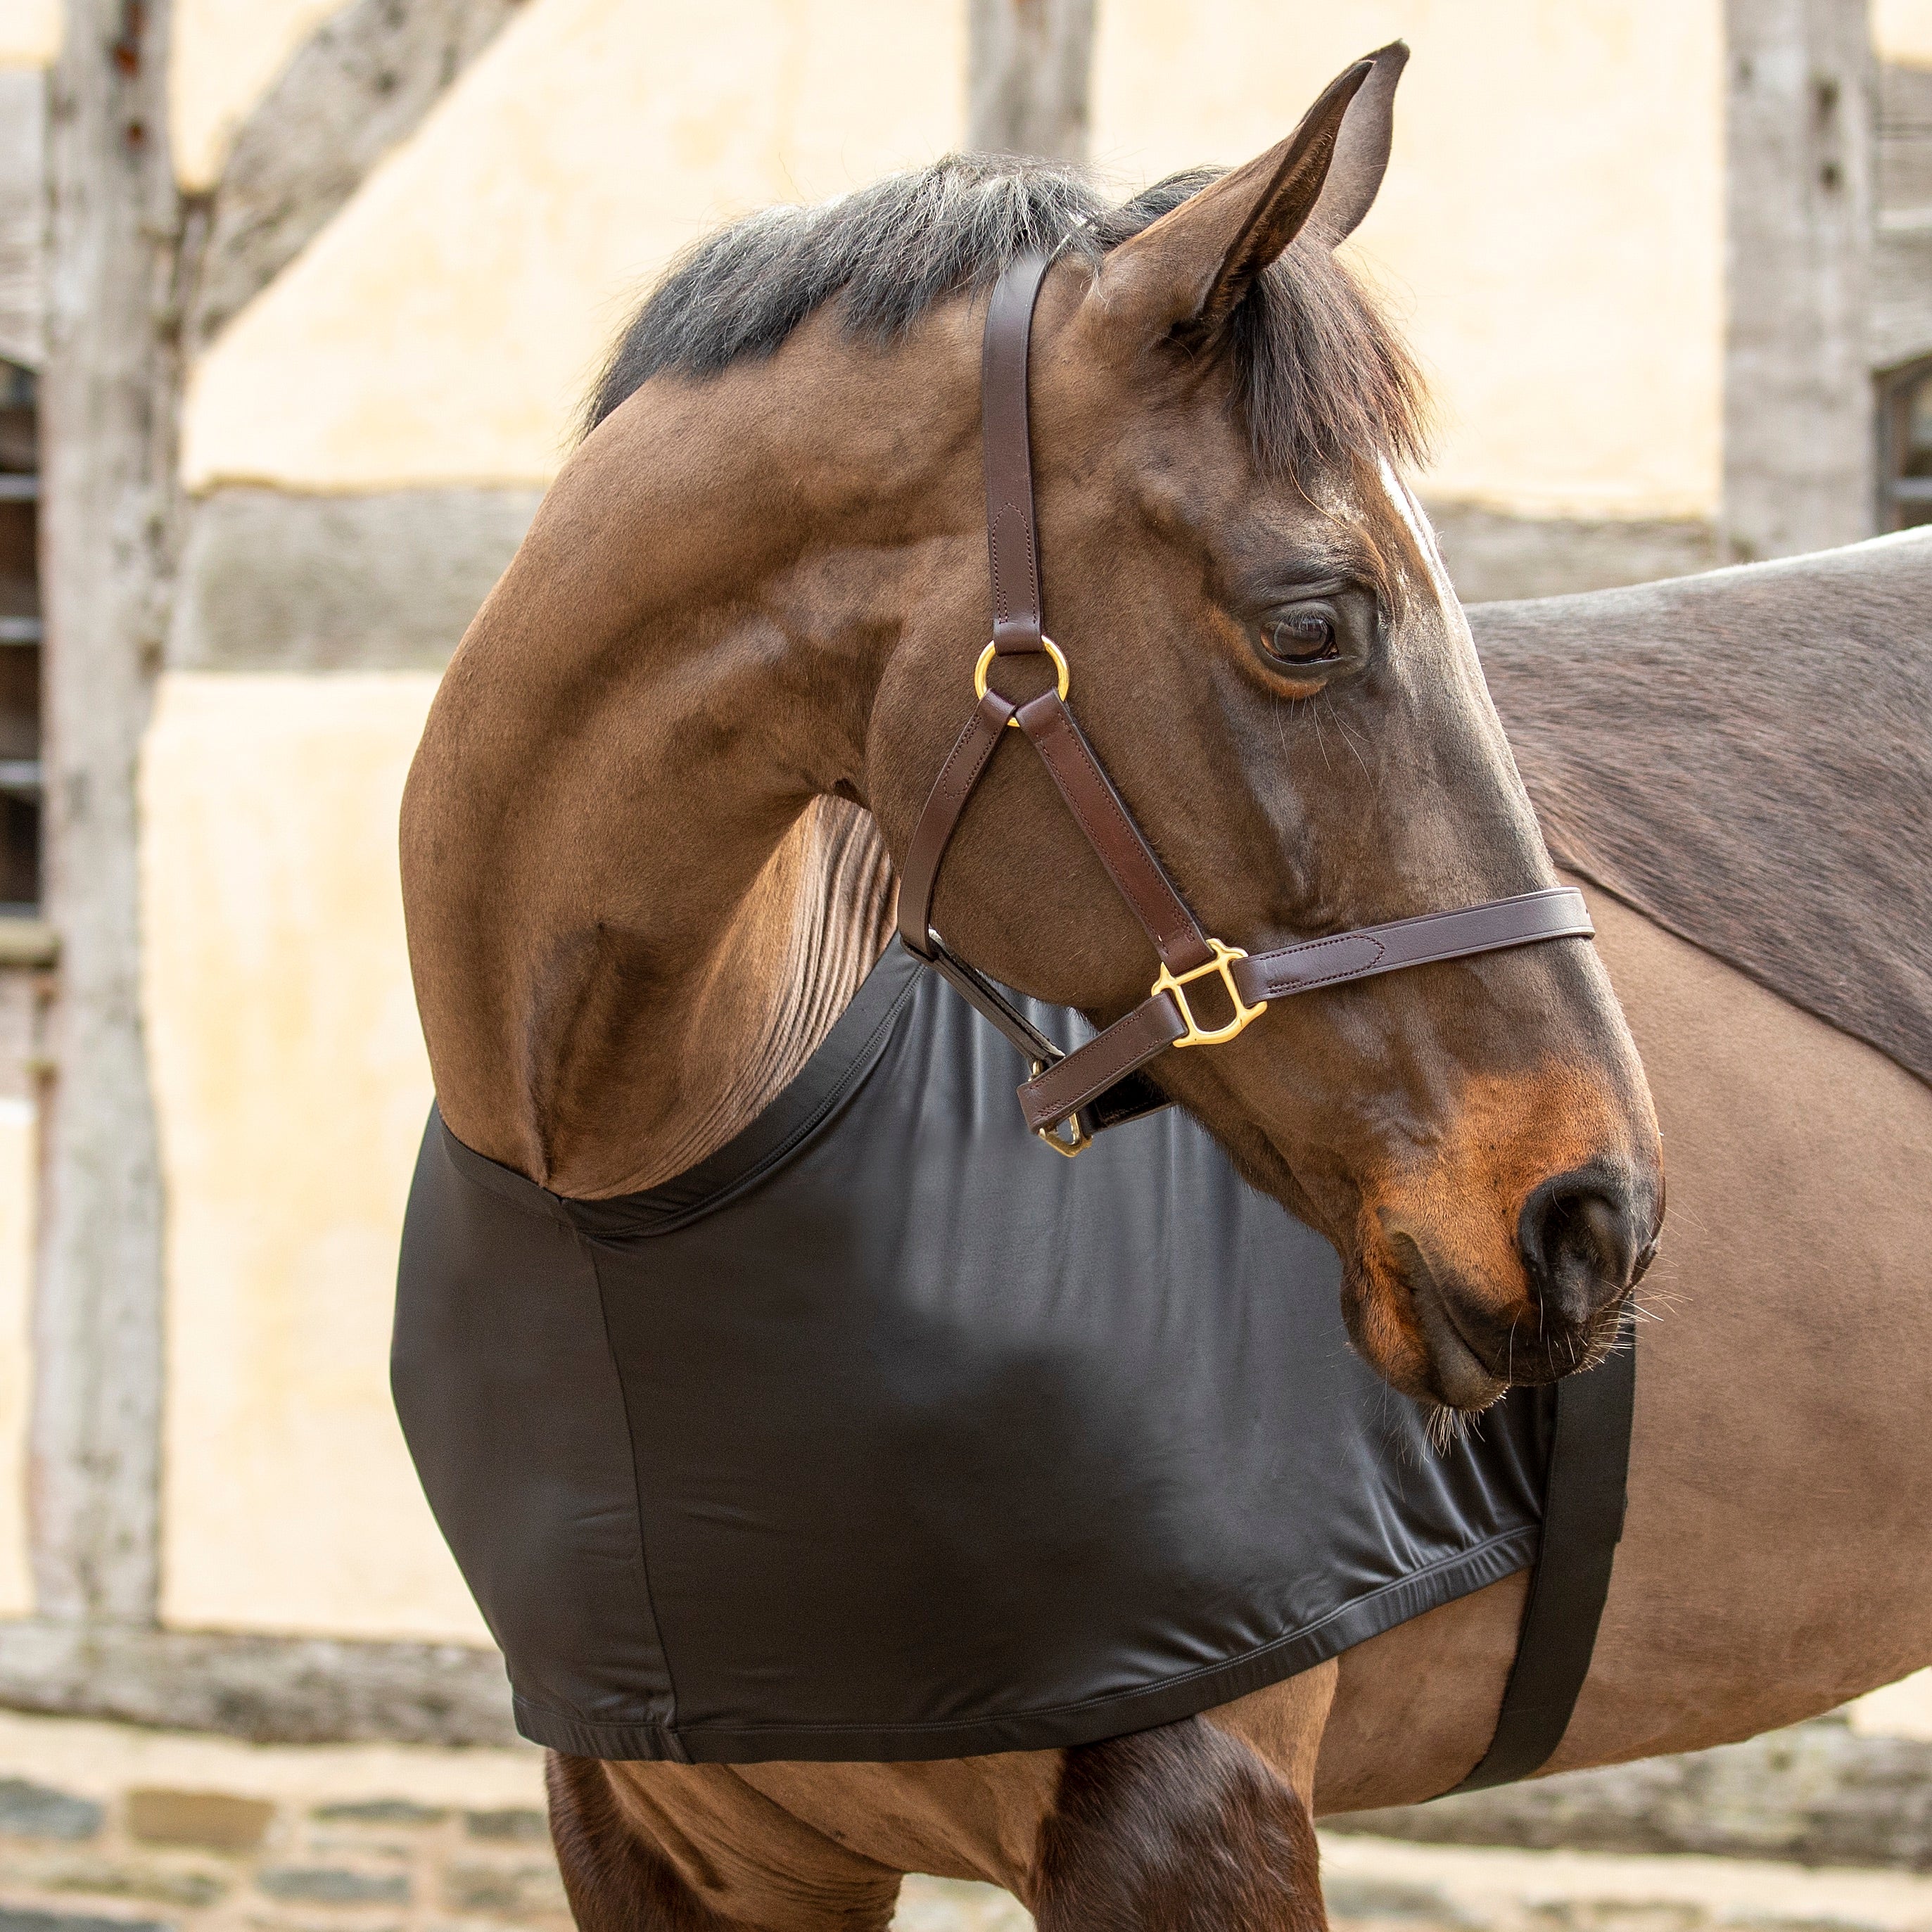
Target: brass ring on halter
1053,651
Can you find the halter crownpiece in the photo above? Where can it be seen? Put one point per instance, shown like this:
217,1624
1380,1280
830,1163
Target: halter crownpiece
1072,1096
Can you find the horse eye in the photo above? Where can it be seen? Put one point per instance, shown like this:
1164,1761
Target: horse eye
1303,637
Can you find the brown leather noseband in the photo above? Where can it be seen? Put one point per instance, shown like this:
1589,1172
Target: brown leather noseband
1100,1084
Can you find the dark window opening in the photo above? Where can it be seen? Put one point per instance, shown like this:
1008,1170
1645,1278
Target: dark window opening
1905,457
19,643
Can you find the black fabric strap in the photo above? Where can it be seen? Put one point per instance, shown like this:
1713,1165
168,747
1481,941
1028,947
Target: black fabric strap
1582,1523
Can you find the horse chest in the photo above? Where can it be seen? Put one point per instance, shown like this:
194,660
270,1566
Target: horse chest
882,1435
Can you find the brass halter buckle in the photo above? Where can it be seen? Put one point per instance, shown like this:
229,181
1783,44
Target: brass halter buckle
1223,963
1060,671
1076,1140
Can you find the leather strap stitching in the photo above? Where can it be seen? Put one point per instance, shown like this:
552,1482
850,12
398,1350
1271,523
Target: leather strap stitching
944,805
1063,1089
1116,838
1528,919
1008,456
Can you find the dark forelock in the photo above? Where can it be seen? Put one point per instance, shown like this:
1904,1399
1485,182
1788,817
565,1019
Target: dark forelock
1322,377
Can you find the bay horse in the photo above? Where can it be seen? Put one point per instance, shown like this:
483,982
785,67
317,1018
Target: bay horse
649,847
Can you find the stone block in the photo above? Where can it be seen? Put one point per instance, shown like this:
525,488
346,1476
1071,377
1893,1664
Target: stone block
157,1885
1377,1902
335,1885
28,1810
326,1847
380,1811
522,1824
13,1918
1618,1915
214,1821
509,1891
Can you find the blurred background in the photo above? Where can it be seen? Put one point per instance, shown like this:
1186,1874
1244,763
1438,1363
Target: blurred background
298,299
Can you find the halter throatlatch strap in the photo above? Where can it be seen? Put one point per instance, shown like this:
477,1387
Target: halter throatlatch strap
1100,1084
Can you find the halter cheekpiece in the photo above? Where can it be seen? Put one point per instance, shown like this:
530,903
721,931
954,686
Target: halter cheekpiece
1072,1096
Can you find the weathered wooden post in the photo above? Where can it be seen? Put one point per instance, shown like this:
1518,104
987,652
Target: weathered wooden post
1030,71
110,395
140,276
1800,136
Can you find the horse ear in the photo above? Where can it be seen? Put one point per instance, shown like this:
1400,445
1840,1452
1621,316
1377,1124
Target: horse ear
1188,271
1361,149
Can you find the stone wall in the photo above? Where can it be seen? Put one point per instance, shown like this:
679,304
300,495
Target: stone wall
109,1828
105,1829
1819,1794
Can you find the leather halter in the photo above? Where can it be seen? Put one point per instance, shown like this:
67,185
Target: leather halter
1101,1084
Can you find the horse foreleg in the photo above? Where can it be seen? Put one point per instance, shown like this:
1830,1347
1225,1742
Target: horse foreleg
1200,1826
690,1848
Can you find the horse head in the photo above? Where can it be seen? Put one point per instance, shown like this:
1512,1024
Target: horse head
1265,650
761,584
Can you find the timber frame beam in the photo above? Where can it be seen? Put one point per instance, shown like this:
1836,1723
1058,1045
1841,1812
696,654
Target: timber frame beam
139,276
1801,141
360,87
1030,69
108,413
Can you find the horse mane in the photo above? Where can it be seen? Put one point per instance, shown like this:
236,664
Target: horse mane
1745,757
1321,377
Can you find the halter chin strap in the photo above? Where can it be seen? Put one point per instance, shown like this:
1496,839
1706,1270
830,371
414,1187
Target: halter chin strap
1072,1096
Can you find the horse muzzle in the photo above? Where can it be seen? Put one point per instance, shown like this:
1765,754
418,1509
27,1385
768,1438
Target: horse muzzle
1583,1239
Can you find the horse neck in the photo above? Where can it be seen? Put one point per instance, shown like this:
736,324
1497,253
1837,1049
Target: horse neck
821,917
638,898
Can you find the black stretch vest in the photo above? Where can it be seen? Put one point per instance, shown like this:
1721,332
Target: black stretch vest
884,1433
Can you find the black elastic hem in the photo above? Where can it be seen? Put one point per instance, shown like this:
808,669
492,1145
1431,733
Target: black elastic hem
1087,1723
829,1077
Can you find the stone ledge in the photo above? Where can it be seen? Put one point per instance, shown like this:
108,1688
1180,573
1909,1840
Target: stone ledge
1818,1794
264,1689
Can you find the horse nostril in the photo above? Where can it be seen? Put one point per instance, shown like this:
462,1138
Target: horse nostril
1579,1241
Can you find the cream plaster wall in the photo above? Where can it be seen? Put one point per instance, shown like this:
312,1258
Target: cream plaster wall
292,1088
30,32
1551,229
17,1251
445,327
1902,31
1900,1710
225,56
